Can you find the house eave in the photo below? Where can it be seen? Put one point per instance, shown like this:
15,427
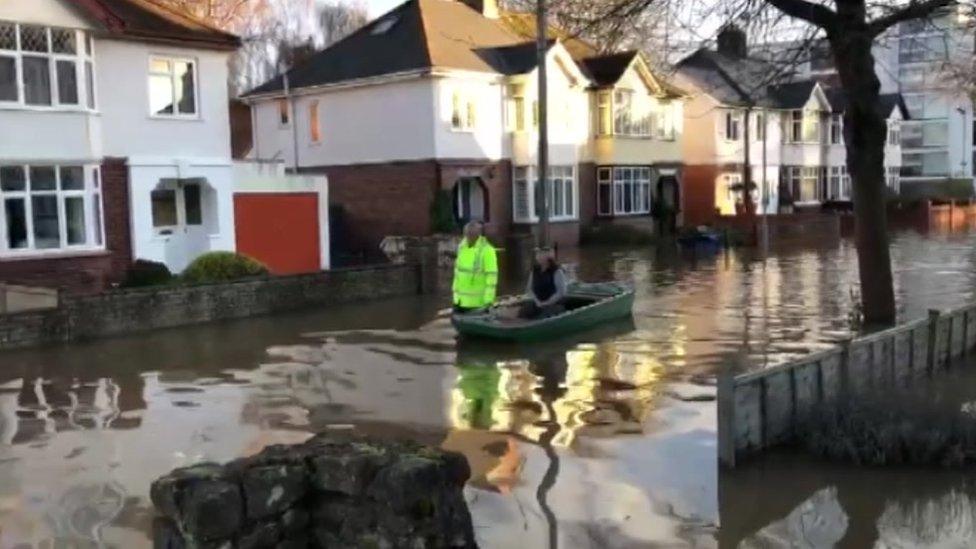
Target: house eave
342,85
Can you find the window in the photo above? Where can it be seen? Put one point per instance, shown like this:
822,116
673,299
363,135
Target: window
194,207
926,105
515,108
732,129
838,183
604,110
760,126
931,163
923,48
284,116
39,66
624,190
665,121
894,133
315,130
803,182
164,208
562,194
172,88
836,129
893,179
462,112
48,207
627,120
804,126
732,182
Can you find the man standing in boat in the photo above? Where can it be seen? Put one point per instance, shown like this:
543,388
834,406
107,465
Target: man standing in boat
475,271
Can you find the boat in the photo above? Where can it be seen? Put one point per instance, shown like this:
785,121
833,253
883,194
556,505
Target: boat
701,236
587,305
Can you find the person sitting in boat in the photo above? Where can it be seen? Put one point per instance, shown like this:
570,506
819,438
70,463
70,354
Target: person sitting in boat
475,271
547,286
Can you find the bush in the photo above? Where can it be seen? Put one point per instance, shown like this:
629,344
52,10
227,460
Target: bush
873,431
143,273
222,267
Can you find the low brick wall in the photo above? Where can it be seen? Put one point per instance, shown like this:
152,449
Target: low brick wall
760,410
327,492
138,310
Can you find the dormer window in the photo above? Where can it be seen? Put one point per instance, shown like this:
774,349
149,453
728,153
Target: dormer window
45,67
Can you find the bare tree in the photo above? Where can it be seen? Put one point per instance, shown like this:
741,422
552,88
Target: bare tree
850,28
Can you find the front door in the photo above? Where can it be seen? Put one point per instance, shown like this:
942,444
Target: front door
469,200
178,221
667,192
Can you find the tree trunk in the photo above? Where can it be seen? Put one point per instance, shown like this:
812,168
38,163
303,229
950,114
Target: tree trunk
865,134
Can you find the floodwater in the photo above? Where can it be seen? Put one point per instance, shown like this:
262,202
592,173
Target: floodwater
607,440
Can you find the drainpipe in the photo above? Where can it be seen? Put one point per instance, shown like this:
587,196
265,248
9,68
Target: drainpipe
294,118
765,184
746,161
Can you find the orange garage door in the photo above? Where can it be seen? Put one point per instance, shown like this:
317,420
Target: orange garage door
279,229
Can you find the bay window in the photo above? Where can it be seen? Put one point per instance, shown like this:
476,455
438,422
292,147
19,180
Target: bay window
604,113
665,121
803,182
804,126
562,199
894,133
48,207
836,129
839,183
172,87
627,119
43,66
623,190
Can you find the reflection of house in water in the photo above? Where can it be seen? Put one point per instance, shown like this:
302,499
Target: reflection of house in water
35,408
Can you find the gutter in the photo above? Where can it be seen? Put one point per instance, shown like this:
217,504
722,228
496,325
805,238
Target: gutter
345,84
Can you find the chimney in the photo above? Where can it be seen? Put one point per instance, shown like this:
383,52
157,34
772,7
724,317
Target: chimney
732,42
488,8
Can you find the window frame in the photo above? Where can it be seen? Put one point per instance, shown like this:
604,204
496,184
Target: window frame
524,177
464,116
83,55
93,214
836,129
732,126
617,178
172,60
284,112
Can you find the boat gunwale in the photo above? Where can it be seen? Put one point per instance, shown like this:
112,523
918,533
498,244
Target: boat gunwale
484,320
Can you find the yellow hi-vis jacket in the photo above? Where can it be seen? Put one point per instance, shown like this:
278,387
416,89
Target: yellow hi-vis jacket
475,274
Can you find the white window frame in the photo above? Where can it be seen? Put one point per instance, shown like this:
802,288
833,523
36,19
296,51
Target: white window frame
80,59
664,128
90,193
729,180
464,112
760,133
894,133
838,183
604,113
618,178
627,122
732,126
172,60
836,129
565,175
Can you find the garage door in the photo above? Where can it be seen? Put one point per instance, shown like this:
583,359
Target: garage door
279,229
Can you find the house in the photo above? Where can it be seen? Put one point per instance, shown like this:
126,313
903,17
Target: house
751,111
115,141
439,97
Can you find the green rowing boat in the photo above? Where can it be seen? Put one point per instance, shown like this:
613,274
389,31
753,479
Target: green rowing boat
587,305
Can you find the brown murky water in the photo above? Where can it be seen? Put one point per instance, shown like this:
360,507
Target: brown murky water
607,440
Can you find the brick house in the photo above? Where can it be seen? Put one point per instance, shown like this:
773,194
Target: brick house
790,129
439,96
115,141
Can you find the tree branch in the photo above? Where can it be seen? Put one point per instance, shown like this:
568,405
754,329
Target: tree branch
917,9
814,14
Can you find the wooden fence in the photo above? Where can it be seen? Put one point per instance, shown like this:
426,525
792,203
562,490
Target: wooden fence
759,410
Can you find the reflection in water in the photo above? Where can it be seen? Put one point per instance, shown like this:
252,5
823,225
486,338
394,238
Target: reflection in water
606,440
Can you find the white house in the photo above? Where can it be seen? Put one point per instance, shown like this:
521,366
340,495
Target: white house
115,141
439,97
747,109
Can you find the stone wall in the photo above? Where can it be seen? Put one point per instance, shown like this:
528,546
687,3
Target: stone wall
137,310
328,492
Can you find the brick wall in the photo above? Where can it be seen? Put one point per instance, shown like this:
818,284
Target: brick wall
89,272
138,310
379,200
497,179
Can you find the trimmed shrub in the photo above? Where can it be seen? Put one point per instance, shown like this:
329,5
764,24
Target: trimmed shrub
143,273
222,267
